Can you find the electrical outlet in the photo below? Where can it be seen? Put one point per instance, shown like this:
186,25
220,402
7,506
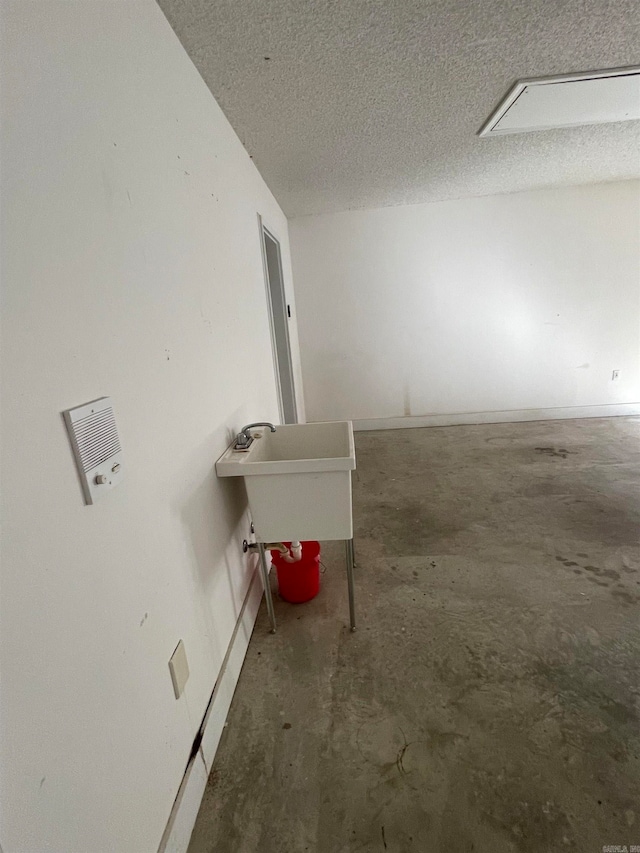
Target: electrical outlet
615,375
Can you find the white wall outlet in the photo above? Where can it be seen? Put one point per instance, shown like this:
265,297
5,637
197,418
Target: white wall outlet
179,669
615,375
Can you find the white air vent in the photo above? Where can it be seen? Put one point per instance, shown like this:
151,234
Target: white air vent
596,97
94,437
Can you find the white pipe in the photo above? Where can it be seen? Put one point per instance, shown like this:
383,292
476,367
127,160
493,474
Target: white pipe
296,552
289,556
294,555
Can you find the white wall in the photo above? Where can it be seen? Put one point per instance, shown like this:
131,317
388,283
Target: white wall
131,267
524,301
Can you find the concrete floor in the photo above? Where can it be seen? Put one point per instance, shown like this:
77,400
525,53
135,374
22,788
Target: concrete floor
490,699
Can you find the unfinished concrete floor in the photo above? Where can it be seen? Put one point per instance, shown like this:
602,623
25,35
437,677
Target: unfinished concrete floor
490,699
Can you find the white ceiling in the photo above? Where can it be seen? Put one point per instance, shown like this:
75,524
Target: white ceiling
366,103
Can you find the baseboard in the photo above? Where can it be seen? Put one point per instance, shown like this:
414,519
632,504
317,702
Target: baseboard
216,716
510,416
177,834
185,808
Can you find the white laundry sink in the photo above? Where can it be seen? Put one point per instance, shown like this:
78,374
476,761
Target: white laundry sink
298,480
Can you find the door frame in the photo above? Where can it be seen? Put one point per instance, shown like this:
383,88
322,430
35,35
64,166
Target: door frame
262,230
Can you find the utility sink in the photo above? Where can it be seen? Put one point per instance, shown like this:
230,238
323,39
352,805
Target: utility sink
298,480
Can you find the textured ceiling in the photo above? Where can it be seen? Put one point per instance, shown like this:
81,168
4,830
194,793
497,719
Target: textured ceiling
365,103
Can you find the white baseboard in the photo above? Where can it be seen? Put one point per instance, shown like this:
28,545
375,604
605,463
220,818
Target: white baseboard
185,808
216,715
510,416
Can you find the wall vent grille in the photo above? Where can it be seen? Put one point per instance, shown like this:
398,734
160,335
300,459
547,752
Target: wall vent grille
95,441
97,437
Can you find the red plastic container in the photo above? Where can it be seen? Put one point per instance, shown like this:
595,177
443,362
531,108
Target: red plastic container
299,581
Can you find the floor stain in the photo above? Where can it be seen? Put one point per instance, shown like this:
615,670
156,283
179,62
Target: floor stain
552,451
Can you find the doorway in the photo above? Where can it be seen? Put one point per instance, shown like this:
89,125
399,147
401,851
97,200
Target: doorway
279,314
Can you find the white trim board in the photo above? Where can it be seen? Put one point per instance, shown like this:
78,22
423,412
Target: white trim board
510,416
177,834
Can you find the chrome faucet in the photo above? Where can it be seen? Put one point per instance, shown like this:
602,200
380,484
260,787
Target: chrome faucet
244,437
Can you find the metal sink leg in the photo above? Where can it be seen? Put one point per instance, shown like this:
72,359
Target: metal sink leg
350,563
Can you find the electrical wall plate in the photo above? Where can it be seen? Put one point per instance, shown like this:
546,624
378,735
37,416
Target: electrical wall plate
96,446
179,669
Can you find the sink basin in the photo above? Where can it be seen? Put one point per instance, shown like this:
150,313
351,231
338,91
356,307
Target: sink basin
298,480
